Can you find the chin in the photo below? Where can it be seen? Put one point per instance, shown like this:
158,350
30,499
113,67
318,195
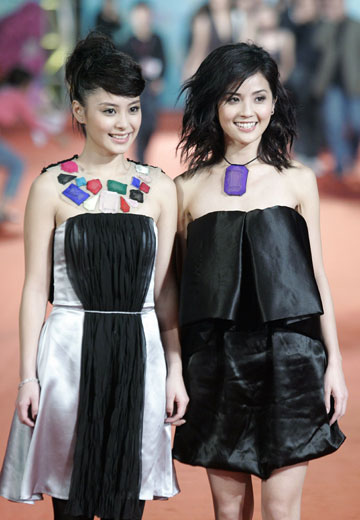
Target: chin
121,147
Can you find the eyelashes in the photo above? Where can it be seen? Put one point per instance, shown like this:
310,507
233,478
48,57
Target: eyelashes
112,111
234,99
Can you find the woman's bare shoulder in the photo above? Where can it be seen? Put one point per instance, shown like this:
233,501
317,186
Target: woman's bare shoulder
190,177
301,179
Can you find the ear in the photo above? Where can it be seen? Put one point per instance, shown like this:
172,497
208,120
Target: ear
273,106
78,112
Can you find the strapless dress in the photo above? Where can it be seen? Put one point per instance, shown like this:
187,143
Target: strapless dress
253,355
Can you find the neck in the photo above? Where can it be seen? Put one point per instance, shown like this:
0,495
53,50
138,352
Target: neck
241,155
103,166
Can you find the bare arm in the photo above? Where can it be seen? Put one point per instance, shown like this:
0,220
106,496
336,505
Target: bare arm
38,230
183,219
166,304
334,378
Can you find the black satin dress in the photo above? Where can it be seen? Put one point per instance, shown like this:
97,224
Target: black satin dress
254,360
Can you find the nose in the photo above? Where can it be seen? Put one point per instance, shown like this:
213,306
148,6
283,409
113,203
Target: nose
121,120
246,108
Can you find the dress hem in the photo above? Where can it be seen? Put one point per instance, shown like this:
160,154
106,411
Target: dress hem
299,461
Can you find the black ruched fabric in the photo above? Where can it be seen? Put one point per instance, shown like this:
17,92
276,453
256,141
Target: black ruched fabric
253,355
110,259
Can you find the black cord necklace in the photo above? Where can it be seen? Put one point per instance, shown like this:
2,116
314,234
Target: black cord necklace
236,177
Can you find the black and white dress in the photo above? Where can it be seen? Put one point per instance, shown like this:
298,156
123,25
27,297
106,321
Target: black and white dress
100,439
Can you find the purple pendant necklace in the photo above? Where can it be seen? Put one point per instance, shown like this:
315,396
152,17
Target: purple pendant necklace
236,178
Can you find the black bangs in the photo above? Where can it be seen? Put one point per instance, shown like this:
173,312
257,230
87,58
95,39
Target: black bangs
224,70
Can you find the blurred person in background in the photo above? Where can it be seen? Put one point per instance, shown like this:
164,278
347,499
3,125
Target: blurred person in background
336,81
15,110
211,27
244,19
108,20
302,20
278,41
146,47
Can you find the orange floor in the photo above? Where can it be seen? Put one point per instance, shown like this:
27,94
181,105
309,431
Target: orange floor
332,489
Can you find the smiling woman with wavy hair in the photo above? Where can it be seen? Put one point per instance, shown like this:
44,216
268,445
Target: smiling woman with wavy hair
202,139
261,357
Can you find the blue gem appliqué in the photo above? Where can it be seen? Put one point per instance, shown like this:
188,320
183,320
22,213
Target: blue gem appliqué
75,194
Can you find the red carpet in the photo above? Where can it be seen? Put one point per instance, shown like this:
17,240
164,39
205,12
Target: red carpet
332,486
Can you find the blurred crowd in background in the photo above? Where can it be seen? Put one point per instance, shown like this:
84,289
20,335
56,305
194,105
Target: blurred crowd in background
316,44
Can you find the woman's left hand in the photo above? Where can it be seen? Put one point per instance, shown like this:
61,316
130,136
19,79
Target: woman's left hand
334,385
176,399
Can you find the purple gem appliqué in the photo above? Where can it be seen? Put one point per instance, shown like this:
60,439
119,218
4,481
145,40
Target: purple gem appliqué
235,179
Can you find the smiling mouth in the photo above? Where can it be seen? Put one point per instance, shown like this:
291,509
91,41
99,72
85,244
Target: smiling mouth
246,126
120,137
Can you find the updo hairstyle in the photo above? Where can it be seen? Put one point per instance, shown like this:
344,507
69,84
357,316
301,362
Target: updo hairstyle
96,63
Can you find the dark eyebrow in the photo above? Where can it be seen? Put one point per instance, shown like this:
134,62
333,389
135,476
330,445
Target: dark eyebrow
108,104
237,94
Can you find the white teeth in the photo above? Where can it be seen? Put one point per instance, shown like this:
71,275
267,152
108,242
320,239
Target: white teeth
118,136
246,125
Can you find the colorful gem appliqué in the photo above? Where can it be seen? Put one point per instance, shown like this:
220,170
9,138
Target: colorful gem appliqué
80,181
75,194
63,178
137,195
136,182
69,167
144,187
90,203
118,187
94,185
145,178
109,202
125,208
142,168
131,202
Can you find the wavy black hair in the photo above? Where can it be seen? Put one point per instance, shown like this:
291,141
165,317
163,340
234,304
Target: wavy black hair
96,63
226,68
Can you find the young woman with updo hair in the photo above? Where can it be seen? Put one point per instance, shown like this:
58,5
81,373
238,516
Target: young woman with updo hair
100,380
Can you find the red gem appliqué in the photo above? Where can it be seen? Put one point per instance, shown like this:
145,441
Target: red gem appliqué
124,205
144,187
94,186
69,167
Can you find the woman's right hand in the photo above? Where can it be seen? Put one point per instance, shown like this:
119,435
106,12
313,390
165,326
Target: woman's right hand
27,403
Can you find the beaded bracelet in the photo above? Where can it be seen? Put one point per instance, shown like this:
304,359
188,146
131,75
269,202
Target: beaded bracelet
29,380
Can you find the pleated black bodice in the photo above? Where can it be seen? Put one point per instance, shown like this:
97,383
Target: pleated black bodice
253,355
249,267
110,259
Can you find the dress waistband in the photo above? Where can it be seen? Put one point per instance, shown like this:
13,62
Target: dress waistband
116,312
145,310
